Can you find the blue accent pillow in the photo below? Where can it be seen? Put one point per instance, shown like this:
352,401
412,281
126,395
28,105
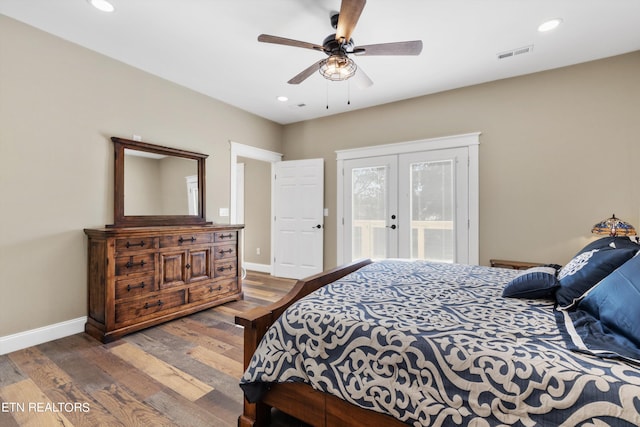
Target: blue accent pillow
618,242
605,322
615,301
585,270
535,282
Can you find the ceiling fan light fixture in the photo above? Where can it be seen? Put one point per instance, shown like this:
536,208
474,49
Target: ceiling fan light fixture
338,68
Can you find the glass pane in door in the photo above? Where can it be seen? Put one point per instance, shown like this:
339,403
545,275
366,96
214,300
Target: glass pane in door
432,210
368,212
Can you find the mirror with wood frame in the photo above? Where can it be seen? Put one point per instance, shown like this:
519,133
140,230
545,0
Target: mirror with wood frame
156,185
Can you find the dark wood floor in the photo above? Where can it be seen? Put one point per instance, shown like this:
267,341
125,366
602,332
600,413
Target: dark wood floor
182,373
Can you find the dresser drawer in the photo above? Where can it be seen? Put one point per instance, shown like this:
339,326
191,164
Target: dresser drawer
224,268
132,310
127,288
135,244
134,264
185,239
225,251
225,236
212,290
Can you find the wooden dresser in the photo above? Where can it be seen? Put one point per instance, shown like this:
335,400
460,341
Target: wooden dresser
142,276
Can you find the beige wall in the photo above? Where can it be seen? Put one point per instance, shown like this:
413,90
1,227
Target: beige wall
558,152
257,210
59,104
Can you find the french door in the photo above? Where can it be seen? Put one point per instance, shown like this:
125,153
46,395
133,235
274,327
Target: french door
409,205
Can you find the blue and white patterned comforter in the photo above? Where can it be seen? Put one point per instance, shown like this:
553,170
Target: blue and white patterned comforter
436,345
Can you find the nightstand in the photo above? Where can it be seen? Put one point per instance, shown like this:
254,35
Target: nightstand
516,265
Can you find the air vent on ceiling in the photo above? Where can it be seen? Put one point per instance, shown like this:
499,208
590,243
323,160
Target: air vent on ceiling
514,52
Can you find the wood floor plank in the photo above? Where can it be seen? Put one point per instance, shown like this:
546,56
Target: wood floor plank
82,409
226,407
218,361
128,409
10,372
6,419
37,409
40,368
195,333
188,414
136,381
170,376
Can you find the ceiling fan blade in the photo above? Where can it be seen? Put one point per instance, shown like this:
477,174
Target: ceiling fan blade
361,79
397,48
306,73
266,38
350,11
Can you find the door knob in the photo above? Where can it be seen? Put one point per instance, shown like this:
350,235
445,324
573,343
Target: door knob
393,226
317,226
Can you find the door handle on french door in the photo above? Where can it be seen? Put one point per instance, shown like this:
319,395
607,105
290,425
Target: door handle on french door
392,226
317,226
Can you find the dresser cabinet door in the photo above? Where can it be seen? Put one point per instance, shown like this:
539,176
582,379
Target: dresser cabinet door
199,266
173,271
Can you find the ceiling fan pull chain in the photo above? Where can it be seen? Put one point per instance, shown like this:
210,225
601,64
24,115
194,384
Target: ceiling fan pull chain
327,94
348,92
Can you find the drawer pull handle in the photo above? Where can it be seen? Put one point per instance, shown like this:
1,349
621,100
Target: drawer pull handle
225,268
188,266
226,236
211,288
132,264
182,239
223,251
141,244
141,286
157,304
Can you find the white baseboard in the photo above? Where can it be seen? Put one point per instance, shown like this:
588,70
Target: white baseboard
41,335
261,268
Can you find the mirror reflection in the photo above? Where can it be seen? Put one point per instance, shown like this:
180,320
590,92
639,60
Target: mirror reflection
156,184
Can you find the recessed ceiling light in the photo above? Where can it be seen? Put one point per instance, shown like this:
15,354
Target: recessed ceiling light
549,25
282,98
102,5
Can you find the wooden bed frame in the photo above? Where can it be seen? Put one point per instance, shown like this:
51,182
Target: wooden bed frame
297,399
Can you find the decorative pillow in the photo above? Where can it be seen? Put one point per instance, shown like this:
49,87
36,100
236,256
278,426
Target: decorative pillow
616,299
605,322
585,270
535,282
619,242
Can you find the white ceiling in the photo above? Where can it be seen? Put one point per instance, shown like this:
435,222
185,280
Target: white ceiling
211,46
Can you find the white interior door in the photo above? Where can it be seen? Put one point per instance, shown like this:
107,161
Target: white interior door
298,220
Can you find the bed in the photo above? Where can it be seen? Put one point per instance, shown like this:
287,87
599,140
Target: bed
397,342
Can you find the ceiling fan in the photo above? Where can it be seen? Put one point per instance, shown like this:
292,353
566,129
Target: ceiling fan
338,65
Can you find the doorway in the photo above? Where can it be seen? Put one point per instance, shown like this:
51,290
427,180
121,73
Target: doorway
260,159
